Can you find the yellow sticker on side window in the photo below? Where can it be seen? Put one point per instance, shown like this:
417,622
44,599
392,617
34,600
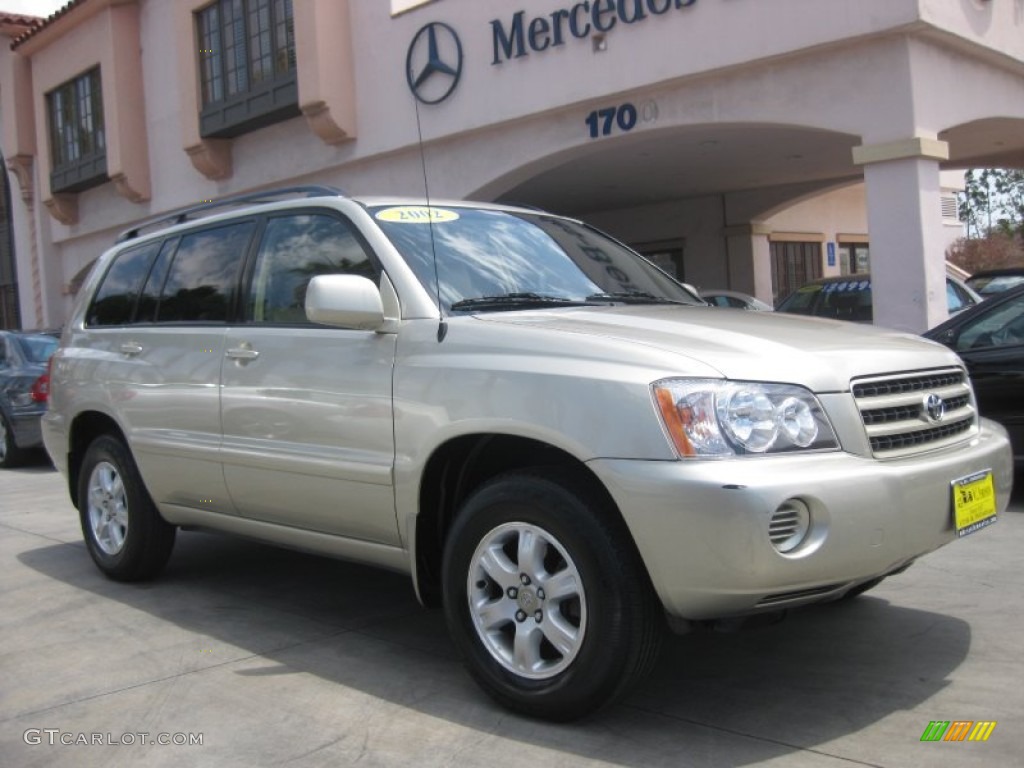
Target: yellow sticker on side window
974,502
417,214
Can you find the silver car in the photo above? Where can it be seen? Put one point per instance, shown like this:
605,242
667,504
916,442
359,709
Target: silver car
563,446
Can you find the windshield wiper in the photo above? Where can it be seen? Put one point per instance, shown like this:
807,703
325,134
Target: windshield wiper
632,297
524,300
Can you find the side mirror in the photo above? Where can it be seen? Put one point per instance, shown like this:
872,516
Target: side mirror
345,301
948,337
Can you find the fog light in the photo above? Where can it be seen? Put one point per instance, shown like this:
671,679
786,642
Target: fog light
789,525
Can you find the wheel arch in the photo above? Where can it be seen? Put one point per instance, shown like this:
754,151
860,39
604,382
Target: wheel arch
458,467
85,428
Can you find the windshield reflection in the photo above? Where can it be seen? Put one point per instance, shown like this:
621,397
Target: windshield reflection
521,260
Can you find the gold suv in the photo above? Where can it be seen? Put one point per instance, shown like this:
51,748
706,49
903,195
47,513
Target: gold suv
564,447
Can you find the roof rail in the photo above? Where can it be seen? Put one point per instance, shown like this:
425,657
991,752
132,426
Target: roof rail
188,213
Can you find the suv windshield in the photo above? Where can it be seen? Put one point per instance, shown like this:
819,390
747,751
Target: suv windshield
492,260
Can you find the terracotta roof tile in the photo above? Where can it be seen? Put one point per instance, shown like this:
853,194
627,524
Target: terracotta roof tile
37,25
17,20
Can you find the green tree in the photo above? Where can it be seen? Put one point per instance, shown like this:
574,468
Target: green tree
993,202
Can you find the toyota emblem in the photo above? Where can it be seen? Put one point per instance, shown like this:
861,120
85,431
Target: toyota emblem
934,408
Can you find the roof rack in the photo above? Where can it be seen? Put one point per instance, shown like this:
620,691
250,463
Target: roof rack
182,215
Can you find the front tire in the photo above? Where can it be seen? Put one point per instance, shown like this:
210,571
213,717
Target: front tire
124,533
546,598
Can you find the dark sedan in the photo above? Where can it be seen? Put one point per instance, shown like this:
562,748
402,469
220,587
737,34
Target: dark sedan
990,340
24,391
848,297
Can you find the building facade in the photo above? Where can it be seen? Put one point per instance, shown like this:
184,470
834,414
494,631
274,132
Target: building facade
738,143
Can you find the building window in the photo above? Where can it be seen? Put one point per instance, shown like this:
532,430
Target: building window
793,265
246,66
854,258
9,315
78,144
666,255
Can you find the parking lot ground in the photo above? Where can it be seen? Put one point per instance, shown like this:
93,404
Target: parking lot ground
272,657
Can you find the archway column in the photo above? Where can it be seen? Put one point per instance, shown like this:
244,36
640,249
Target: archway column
749,259
908,262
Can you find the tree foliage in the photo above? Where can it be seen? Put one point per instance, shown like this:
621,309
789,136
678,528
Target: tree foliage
993,202
992,207
995,251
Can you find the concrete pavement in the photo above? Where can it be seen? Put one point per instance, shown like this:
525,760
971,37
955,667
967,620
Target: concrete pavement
271,657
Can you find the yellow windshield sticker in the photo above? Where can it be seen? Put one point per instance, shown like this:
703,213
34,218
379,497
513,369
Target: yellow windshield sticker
417,214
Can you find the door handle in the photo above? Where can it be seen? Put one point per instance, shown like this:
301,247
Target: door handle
131,348
243,353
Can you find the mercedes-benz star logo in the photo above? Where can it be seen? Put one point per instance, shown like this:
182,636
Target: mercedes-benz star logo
934,407
433,65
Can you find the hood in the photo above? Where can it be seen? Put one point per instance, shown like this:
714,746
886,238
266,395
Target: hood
822,355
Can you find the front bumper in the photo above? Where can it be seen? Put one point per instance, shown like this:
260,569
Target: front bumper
702,526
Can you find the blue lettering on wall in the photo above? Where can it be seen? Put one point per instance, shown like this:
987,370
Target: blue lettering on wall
601,122
520,37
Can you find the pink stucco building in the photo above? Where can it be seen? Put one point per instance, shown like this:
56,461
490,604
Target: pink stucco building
741,144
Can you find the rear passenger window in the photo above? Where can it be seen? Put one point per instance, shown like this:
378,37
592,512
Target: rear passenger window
114,300
202,276
295,249
149,300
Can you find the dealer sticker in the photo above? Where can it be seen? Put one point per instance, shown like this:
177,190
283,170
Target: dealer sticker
417,214
974,502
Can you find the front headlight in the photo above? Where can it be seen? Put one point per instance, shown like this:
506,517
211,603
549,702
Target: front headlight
711,417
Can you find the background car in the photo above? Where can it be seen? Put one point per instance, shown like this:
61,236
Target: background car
720,297
24,391
990,339
988,282
848,297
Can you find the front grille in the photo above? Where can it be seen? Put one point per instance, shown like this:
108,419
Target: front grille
909,383
896,417
907,412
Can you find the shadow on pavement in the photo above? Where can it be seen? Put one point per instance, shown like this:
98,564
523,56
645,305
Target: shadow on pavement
750,696
36,462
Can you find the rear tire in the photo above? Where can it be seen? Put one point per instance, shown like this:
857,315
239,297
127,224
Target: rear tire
546,597
10,454
125,534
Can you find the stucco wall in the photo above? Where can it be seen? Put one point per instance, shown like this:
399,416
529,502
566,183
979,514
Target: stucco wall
866,72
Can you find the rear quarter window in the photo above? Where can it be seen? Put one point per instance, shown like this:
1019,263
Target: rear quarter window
115,299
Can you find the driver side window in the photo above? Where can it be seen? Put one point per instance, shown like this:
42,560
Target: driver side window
295,249
1001,328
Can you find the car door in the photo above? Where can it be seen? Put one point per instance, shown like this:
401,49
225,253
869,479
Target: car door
163,368
306,410
992,346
